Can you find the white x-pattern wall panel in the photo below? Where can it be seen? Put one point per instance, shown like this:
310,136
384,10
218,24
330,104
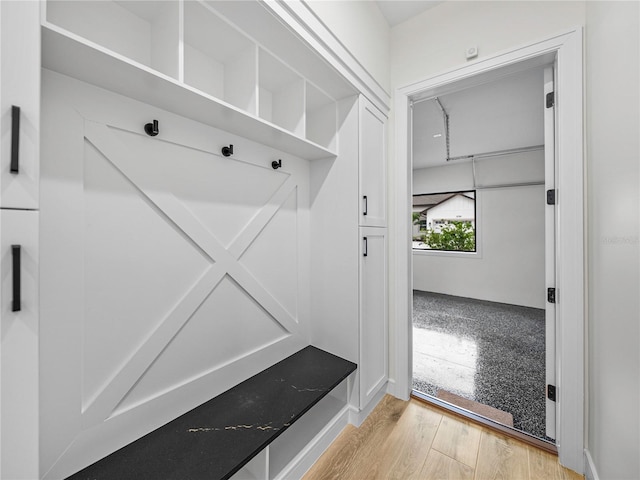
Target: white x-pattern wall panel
190,268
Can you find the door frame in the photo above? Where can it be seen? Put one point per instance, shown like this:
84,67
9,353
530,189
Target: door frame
566,49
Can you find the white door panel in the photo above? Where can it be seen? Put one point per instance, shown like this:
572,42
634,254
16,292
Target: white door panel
184,266
19,344
373,166
373,313
19,87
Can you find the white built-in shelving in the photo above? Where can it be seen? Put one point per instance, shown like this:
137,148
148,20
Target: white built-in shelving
320,115
185,56
218,59
145,32
280,459
281,94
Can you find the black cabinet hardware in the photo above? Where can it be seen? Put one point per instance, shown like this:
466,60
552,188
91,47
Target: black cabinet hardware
15,139
552,393
227,151
366,205
550,99
551,197
152,128
276,165
365,246
15,254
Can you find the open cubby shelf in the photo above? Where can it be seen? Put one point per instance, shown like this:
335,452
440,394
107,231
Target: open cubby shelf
184,57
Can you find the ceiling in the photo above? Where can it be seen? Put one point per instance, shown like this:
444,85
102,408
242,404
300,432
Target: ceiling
501,115
397,11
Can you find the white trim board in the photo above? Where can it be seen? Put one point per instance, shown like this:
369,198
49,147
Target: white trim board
357,417
590,472
566,48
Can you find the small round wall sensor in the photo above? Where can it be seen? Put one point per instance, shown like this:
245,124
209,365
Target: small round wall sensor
472,52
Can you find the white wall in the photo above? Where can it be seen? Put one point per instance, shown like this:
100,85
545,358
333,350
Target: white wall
436,41
362,29
509,264
612,104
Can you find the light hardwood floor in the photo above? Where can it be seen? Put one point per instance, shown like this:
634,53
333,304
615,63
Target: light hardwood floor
410,440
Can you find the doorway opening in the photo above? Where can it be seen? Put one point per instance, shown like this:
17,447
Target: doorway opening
483,241
565,51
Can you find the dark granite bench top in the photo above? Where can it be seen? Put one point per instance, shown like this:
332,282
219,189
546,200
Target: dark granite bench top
216,439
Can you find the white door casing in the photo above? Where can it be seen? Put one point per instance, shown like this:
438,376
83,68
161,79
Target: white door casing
566,48
169,272
550,251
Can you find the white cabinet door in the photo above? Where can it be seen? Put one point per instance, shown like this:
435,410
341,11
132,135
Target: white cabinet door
19,103
19,344
373,312
169,273
373,165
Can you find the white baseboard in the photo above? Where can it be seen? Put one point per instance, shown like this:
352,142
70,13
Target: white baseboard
590,472
391,388
401,393
310,454
356,416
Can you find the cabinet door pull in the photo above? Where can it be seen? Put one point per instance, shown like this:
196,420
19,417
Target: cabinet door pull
364,246
15,139
15,254
366,205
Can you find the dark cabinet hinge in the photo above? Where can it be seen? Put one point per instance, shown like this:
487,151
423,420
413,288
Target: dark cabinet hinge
551,196
551,392
551,99
15,139
551,295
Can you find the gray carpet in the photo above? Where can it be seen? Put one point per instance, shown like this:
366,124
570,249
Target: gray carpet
489,352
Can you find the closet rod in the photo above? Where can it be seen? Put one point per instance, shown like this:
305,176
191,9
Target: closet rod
497,153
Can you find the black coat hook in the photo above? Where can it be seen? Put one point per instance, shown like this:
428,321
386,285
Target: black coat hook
227,151
276,165
152,128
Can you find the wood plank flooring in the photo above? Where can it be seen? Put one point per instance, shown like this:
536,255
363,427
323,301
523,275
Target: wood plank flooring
413,441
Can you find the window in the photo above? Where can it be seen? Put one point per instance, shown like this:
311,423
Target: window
445,221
